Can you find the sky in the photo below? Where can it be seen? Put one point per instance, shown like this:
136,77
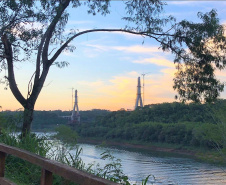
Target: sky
105,66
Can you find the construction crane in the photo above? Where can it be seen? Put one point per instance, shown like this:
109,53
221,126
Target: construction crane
143,84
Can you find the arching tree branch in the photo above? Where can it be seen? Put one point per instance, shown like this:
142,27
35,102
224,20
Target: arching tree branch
151,35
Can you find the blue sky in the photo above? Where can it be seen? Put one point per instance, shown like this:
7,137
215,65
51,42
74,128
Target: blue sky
105,66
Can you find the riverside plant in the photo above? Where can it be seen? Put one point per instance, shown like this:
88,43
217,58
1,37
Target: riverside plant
18,170
24,173
111,171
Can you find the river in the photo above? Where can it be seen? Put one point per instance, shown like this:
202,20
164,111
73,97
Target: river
166,169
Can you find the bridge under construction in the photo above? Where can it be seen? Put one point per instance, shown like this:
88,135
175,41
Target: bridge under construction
75,115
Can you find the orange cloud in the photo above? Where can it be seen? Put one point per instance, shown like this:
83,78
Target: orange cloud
120,91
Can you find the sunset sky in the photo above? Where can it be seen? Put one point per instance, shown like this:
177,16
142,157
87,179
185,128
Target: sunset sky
105,66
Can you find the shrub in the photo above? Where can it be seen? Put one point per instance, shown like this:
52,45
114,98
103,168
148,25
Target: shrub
66,134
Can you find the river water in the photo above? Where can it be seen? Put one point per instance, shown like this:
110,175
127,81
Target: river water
164,168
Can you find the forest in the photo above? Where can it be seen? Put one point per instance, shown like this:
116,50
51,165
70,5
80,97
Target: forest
177,123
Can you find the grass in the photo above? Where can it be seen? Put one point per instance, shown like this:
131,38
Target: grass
18,170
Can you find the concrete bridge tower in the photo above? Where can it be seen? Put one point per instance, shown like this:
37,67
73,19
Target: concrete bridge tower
75,116
138,99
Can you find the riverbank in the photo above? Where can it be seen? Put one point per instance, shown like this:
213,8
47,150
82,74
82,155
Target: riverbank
202,154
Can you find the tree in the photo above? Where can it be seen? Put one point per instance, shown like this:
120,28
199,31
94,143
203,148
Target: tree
195,80
30,28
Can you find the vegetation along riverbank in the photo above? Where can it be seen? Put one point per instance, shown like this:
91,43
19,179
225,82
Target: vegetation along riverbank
191,129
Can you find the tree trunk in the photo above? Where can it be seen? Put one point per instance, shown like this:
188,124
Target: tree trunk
28,117
30,102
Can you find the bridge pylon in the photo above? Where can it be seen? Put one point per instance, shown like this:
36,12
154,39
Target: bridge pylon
75,116
138,99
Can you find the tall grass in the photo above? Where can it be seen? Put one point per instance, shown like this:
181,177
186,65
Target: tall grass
18,170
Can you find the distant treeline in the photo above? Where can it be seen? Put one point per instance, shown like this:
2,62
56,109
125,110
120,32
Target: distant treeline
48,120
186,124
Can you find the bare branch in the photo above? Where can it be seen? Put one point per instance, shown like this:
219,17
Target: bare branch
38,60
51,51
30,85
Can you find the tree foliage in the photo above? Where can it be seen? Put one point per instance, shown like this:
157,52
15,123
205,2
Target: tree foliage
196,80
176,123
32,28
